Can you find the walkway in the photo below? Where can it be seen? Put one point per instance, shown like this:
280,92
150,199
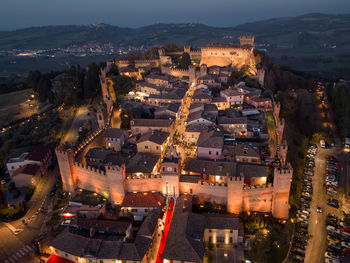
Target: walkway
168,218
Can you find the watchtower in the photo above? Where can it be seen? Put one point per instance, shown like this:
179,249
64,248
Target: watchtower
170,171
247,41
235,194
65,159
187,49
281,189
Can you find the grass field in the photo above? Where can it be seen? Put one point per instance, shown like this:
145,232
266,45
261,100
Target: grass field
13,106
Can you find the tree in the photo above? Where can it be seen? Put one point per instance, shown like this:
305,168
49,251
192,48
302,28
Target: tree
91,81
113,71
185,61
44,89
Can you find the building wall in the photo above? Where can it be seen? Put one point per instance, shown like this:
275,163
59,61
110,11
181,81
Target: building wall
142,129
225,233
144,184
65,163
206,192
23,180
258,198
211,153
149,147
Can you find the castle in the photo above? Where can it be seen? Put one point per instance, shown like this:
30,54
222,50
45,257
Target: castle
215,54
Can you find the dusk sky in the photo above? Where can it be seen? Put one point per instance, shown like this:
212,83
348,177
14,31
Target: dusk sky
133,13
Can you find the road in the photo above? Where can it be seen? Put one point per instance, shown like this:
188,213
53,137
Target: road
16,238
83,114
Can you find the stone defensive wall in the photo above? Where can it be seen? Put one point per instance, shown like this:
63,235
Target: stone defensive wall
206,191
138,63
179,73
144,184
258,198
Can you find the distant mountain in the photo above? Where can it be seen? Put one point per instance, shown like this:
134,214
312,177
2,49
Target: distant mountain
307,31
311,38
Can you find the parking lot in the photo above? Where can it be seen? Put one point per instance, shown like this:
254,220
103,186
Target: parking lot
321,208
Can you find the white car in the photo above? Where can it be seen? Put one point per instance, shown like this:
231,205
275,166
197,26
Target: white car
345,244
333,229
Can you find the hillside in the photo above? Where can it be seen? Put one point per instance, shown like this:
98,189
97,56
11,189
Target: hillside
312,42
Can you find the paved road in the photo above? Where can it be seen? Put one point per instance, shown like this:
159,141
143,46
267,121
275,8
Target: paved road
16,238
79,119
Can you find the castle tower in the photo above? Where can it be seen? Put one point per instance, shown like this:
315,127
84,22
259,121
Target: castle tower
116,182
161,52
203,70
187,49
281,188
234,194
192,73
101,116
170,171
247,40
283,151
261,77
276,110
65,158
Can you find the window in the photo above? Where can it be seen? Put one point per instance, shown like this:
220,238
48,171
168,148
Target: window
210,239
163,169
230,240
209,230
175,169
220,239
217,153
133,210
146,210
231,231
146,146
191,191
157,147
101,261
209,152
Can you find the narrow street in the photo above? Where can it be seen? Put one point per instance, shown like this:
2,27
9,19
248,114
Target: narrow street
166,228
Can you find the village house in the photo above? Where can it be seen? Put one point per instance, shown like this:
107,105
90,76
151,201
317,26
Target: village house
201,117
142,165
82,245
221,103
168,111
259,102
233,97
237,126
140,204
153,142
210,145
131,72
193,131
26,176
246,154
202,96
39,154
141,126
115,138
160,80
174,96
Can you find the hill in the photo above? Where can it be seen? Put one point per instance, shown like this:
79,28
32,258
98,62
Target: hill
312,42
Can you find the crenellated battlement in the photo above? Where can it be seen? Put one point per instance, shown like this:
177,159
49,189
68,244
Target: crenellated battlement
90,168
239,49
258,187
212,184
144,177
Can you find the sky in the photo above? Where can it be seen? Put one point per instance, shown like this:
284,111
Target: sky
15,14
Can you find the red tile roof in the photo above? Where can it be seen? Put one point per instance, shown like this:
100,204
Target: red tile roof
145,199
31,169
57,259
